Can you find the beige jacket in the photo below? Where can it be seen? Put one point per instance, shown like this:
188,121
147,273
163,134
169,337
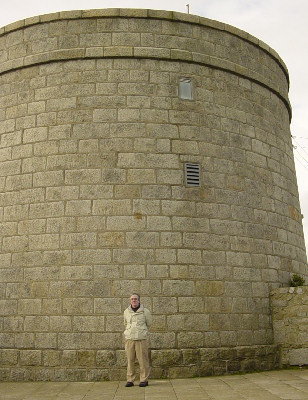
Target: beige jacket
137,323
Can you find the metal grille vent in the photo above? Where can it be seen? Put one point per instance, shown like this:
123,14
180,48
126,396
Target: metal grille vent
192,174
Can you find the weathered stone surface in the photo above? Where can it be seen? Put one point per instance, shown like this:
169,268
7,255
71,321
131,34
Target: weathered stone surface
289,308
105,358
165,357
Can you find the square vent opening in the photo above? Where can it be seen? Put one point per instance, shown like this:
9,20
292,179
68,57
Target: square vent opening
192,174
185,89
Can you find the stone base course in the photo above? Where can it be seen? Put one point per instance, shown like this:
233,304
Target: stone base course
91,365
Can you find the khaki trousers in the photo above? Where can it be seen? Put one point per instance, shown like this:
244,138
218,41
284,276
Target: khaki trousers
137,348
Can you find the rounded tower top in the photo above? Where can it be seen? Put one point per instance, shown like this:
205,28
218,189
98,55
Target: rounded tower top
176,36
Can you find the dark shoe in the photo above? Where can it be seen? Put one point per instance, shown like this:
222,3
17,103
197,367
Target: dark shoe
143,384
129,384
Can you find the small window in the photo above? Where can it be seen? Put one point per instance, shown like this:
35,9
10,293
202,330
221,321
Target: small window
192,174
185,89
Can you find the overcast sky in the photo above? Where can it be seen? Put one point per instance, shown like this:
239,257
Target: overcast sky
282,24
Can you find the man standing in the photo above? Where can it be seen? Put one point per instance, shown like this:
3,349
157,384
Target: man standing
137,320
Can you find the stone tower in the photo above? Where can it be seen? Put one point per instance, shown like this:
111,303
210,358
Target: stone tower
144,151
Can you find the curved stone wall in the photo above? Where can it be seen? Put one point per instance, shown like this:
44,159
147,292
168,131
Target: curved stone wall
141,34
94,138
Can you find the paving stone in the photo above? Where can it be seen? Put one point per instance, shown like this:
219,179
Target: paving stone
272,385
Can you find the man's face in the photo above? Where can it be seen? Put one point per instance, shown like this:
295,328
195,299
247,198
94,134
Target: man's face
134,301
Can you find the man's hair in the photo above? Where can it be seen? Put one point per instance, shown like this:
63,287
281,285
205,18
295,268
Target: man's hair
135,294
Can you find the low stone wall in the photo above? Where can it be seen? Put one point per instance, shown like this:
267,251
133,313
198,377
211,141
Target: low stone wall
90,365
290,323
